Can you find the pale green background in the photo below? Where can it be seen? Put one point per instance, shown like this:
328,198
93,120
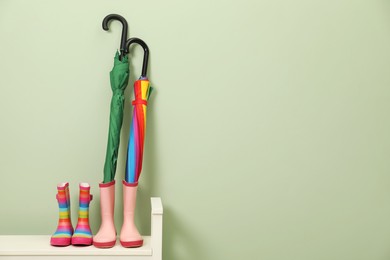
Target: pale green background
269,130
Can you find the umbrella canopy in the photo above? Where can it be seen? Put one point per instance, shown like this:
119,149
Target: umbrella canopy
135,149
119,78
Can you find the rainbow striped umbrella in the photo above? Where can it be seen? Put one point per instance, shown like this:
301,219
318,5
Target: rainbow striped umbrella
142,91
135,148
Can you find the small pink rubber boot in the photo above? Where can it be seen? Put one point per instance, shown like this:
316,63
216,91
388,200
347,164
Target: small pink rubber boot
64,232
130,236
106,236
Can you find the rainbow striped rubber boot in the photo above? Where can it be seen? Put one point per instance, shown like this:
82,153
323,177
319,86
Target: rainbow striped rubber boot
82,235
64,232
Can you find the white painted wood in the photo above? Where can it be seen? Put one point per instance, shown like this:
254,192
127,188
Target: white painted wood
156,228
157,208
40,246
34,247
75,257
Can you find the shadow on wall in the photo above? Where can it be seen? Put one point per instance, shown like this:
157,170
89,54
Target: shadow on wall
179,241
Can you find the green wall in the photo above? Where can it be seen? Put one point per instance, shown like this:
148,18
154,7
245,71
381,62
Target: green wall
268,131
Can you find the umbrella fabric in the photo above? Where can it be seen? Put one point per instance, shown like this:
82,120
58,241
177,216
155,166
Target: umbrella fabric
142,91
119,78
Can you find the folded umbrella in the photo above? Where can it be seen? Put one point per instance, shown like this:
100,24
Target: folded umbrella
119,78
142,91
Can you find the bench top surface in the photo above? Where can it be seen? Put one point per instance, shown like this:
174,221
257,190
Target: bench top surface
40,245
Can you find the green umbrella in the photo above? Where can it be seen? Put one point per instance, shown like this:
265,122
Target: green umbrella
119,78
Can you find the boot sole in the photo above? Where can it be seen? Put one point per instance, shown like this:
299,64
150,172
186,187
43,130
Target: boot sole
81,241
137,243
104,244
60,241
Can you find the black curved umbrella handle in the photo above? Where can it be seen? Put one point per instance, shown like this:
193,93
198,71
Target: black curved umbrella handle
146,53
125,27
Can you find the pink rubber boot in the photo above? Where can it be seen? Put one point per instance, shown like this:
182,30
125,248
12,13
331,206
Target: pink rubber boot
130,236
106,236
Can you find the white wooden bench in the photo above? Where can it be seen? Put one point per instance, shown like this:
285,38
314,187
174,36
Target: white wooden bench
34,247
